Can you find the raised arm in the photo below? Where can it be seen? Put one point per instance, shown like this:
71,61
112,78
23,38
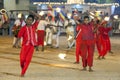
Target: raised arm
35,14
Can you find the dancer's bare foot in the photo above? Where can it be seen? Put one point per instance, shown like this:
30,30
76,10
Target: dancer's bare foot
111,52
90,69
42,48
22,75
99,57
103,57
14,46
76,62
37,49
84,69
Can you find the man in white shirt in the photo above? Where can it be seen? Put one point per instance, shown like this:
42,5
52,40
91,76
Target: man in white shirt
70,31
41,33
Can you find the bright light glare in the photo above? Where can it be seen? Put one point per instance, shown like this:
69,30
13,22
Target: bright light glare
69,15
41,13
106,18
92,13
34,3
92,17
45,43
26,16
98,11
69,38
58,9
115,16
62,56
19,15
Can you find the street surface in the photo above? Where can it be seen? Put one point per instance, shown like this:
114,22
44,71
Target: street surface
48,66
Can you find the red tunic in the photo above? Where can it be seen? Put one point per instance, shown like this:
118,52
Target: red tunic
28,34
87,32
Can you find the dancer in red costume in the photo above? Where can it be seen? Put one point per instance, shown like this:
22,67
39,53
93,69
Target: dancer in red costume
78,42
27,32
87,44
105,40
97,36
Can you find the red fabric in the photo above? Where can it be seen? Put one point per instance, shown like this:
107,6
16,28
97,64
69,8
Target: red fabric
78,43
25,57
87,45
108,44
28,34
103,48
98,42
104,31
87,32
97,38
35,25
105,41
79,35
78,51
40,36
87,52
24,33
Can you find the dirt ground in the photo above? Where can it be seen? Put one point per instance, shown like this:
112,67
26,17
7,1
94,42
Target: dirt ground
47,66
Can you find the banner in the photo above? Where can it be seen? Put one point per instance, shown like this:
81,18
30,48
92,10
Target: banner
48,0
101,1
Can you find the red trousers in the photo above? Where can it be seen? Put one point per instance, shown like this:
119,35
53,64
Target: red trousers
108,44
105,46
40,37
98,43
87,52
25,57
78,51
